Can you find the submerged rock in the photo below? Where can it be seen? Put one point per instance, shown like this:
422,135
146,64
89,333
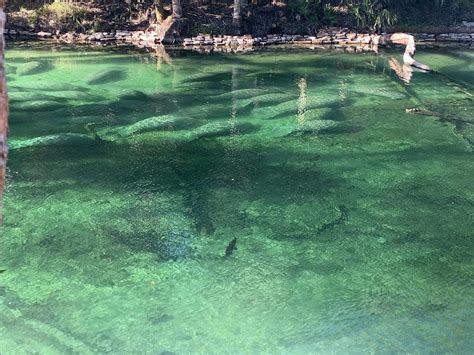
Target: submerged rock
31,68
54,139
107,76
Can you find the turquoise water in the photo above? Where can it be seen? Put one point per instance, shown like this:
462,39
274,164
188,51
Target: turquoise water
128,177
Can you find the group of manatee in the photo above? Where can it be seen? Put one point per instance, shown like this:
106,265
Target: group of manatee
269,110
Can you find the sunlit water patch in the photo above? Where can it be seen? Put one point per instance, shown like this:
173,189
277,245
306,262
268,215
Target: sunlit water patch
277,202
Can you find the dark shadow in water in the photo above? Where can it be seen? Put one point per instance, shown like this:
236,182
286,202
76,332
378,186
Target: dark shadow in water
197,169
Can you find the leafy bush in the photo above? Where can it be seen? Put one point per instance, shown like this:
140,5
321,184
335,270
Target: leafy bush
372,14
60,14
317,12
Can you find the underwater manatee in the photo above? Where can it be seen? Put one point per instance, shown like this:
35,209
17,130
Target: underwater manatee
20,96
318,114
291,108
10,69
54,139
321,127
222,129
61,96
75,95
381,92
31,68
41,85
106,76
246,93
156,123
133,95
40,105
216,111
272,99
292,128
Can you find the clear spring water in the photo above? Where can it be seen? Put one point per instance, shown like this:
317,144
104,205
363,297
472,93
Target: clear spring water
129,176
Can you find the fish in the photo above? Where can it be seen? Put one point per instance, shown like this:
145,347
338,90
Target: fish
344,216
2,271
231,247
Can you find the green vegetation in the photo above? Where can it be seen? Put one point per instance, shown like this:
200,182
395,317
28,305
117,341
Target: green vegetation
60,12
217,17
57,15
372,14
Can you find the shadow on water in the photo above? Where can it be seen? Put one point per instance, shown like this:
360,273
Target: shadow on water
153,219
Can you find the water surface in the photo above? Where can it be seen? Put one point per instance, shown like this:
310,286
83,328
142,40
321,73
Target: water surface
129,175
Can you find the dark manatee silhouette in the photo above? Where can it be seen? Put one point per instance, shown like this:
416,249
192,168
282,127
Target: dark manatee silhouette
108,75
65,139
31,68
133,95
221,129
26,96
61,96
10,69
323,127
42,85
155,123
40,105
247,93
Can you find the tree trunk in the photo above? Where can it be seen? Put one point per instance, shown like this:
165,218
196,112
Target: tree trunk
177,9
3,110
159,11
236,18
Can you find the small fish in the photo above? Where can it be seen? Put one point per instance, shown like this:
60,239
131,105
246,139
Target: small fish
2,271
230,248
343,210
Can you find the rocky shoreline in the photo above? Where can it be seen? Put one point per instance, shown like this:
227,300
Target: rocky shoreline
342,38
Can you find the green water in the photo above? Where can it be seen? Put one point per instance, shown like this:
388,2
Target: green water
129,176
